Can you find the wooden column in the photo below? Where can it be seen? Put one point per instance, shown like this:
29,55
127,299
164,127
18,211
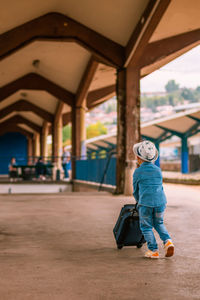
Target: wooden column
43,139
78,114
79,130
33,151
80,111
74,141
36,145
78,134
128,96
57,136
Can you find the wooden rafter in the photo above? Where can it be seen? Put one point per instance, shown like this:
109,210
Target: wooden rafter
15,128
66,118
17,119
24,105
94,98
144,30
33,81
98,102
60,27
86,81
100,95
158,50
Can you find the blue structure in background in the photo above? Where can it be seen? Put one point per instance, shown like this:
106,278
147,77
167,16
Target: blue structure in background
157,162
93,170
12,144
184,155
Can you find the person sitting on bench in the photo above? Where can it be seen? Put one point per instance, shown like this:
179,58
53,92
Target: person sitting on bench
40,169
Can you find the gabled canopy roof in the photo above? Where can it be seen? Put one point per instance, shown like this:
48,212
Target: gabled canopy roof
68,50
179,124
184,123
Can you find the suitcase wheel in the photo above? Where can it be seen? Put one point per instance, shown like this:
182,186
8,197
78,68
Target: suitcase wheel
119,247
139,245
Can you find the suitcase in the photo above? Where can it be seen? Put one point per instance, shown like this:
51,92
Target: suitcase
127,230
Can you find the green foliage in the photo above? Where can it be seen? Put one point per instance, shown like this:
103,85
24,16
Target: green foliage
198,89
187,94
112,106
175,96
66,133
96,129
153,102
171,86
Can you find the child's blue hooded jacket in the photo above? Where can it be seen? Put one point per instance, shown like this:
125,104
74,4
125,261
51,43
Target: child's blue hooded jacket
147,185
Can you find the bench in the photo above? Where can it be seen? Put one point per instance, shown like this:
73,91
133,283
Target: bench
28,172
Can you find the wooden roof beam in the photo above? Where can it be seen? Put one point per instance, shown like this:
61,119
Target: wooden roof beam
17,119
24,105
98,96
97,103
86,81
158,50
15,128
33,81
66,118
94,98
143,31
60,27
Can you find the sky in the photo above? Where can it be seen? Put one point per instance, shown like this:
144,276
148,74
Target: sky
185,70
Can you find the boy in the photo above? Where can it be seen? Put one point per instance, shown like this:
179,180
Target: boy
150,197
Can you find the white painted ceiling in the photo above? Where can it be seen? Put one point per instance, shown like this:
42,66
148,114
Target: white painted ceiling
27,115
113,19
40,98
64,63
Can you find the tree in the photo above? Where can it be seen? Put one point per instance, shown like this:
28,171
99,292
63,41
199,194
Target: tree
112,106
153,102
66,133
187,94
171,100
198,89
171,86
96,129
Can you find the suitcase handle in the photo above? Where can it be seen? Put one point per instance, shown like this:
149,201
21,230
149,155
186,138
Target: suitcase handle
133,210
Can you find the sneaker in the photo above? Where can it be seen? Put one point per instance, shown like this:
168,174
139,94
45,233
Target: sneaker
169,248
152,254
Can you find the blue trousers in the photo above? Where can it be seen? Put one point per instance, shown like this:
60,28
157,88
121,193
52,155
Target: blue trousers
152,217
65,170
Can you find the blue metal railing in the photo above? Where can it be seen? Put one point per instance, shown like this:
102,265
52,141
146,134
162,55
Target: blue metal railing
99,170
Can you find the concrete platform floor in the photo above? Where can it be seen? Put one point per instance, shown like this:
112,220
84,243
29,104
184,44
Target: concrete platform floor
61,246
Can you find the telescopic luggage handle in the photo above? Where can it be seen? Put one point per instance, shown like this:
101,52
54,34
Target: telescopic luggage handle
134,209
